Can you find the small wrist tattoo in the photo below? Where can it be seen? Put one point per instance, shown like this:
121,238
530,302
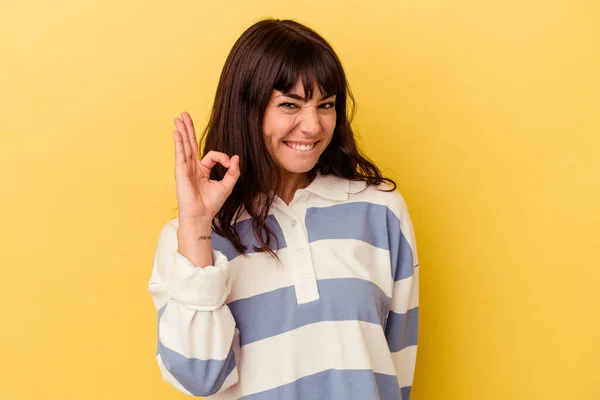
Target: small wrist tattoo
204,237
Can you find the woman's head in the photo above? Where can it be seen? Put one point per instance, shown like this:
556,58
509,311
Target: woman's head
278,84
281,83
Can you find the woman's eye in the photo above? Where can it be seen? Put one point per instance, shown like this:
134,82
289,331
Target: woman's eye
328,105
288,105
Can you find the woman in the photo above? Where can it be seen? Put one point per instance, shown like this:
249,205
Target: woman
291,271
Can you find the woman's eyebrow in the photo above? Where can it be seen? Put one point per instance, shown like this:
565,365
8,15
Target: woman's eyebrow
299,98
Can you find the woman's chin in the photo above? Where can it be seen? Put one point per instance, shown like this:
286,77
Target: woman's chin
297,168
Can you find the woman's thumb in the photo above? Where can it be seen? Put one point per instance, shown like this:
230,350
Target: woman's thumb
233,173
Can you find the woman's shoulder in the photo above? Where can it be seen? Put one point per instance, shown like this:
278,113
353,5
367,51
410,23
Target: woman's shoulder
382,194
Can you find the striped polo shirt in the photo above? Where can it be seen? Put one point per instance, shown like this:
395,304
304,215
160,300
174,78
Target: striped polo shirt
336,319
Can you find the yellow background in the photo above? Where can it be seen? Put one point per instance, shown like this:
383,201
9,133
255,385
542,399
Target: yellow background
485,112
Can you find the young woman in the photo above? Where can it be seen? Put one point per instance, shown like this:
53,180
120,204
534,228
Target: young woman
291,271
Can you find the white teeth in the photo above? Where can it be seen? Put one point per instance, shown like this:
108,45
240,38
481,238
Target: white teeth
301,147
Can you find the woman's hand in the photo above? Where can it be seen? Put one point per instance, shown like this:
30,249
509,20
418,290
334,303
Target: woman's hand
198,197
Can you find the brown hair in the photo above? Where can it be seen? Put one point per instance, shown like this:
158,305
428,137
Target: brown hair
274,54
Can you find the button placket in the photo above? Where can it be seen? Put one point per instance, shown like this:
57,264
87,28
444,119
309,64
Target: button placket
300,261
304,280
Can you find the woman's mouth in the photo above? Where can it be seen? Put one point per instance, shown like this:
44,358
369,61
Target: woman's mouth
300,147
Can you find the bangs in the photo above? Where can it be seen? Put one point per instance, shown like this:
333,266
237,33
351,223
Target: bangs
314,65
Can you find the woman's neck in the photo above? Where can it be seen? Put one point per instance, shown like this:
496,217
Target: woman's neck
290,182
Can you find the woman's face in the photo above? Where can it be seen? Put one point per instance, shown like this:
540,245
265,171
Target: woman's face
296,132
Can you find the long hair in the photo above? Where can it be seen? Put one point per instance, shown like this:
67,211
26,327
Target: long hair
274,54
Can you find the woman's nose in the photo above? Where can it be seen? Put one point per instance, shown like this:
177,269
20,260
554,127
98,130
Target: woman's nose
311,123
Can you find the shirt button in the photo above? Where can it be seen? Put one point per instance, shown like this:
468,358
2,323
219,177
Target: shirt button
305,276
293,222
299,249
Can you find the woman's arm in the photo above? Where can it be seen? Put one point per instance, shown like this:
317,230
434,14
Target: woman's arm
198,345
403,319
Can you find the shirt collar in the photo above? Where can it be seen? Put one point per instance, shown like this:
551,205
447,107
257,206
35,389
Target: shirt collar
329,186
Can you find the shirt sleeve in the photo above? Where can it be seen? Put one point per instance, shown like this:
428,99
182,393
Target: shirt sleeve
198,342
403,318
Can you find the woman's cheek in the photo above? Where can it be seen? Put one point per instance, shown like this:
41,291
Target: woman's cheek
331,120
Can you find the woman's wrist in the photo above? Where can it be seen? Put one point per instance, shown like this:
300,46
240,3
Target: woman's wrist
194,239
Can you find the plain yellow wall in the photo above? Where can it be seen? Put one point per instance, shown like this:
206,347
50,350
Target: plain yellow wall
485,112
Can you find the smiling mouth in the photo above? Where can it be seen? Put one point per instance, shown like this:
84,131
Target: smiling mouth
301,147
